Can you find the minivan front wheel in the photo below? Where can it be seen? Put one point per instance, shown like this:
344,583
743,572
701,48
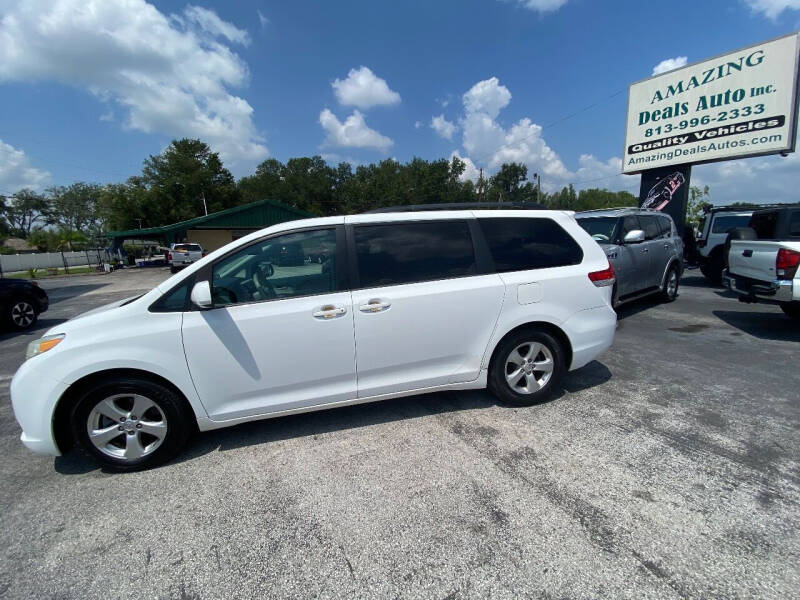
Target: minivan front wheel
669,291
131,423
526,368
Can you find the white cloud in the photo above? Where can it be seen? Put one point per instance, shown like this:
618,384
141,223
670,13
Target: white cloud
443,127
669,64
769,179
772,9
417,124
262,19
209,22
168,75
16,171
488,97
595,173
542,6
471,172
491,144
353,133
364,89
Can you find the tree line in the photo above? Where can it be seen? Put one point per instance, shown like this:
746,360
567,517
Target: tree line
188,179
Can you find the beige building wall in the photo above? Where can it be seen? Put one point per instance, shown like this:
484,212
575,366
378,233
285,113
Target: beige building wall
210,239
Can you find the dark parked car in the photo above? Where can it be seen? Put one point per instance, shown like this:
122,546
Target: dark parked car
21,302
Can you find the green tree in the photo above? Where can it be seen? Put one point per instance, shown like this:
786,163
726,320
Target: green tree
697,199
184,179
507,184
22,211
75,207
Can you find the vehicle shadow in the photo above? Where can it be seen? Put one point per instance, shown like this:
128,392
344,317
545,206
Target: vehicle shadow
764,325
41,325
68,292
321,422
697,281
634,307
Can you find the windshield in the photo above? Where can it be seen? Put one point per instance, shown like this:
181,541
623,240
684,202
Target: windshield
600,228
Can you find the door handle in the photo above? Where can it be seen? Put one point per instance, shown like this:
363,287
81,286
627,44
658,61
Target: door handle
645,250
374,305
666,246
329,311
748,253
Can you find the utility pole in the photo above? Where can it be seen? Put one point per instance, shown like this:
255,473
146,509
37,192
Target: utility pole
205,208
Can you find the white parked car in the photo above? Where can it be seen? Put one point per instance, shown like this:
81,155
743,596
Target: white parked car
183,255
404,303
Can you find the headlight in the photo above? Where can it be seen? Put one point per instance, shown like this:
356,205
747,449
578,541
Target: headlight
44,344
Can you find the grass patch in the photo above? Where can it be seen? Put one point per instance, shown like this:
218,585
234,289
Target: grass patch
45,273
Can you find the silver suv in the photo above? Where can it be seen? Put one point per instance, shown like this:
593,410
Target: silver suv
644,248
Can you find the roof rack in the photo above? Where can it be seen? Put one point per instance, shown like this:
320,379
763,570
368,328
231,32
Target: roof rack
458,206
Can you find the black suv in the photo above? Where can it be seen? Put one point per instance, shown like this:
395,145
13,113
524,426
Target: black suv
21,302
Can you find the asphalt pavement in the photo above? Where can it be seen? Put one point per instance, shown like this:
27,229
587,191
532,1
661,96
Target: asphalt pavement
667,468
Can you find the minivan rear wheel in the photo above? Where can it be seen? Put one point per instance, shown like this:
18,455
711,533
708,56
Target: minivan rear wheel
527,368
130,423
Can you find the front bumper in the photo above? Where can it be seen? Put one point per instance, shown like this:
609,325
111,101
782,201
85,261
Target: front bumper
33,398
753,290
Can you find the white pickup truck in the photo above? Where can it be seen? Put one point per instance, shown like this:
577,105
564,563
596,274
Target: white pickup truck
182,255
765,268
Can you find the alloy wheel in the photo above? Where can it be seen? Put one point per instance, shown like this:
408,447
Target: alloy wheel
23,314
672,284
529,367
126,426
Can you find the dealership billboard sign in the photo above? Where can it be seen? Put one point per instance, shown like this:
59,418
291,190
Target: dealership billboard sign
740,104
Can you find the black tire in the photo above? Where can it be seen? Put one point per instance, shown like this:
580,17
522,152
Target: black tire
791,309
179,422
173,270
669,291
500,386
21,314
713,268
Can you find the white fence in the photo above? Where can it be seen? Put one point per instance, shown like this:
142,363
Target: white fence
45,260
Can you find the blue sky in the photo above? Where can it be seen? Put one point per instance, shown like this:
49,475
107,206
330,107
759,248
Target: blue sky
89,89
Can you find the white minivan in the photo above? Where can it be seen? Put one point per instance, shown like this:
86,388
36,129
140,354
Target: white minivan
401,303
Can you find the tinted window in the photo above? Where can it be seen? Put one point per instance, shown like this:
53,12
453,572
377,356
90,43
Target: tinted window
188,248
726,223
600,228
174,301
764,224
652,229
285,266
794,224
629,223
666,226
396,253
520,244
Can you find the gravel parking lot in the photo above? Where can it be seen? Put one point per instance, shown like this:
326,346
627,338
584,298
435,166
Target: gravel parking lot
667,468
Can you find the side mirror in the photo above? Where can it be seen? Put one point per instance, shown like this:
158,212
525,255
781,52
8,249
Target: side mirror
269,270
201,295
633,237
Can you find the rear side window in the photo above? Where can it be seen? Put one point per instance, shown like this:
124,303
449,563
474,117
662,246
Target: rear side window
522,244
764,224
397,253
188,248
726,223
666,226
794,224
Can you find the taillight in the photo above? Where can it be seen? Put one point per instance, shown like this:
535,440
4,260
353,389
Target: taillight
169,255
786,263
604,277
701,243
205,252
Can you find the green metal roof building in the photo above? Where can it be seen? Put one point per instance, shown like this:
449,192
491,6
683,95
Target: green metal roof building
217,229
